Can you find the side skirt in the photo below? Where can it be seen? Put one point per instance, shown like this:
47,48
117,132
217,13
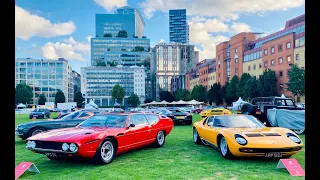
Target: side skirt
207,143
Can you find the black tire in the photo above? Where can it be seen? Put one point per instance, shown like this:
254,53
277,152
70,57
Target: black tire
226,152
98,157
247,108
160,139
30,117
35,131
196,137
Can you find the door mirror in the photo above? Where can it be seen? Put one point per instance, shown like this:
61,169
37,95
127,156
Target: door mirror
210,123
131,125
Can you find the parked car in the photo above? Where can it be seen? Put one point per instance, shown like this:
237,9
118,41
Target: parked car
214,111
26,130
259,107
178,116
245,136
63,113
102,137
40,113
196,110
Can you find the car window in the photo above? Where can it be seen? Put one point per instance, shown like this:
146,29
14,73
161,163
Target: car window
217,122
289,102
138,120
152,118
210,121
85,115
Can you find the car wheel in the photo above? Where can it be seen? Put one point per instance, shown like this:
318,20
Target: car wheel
160,139
105,152
35,131
196,138
224,149
299,131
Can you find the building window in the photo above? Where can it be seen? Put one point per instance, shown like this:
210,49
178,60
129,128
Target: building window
288,59
254,67
297,56
236,70
280,60
279,47
260,65
236,50
272,62
280,73
288,45
265,63
266,52
236,60
249,68
272,50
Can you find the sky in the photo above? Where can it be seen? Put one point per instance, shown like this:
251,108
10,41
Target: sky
63,28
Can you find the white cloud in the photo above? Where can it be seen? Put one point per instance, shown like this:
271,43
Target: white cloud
19,48
239,27
109,5
70,49
88,38
226,9
161,41
28,25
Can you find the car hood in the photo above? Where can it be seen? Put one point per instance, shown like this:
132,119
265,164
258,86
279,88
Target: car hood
72,134
36,122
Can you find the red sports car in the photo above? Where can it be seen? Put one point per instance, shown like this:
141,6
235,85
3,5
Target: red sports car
101,137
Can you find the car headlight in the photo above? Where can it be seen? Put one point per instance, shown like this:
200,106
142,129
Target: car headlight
293,138
65,147
240,139
73,147
32,144
28,144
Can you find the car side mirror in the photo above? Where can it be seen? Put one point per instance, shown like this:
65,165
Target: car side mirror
210,124
131,125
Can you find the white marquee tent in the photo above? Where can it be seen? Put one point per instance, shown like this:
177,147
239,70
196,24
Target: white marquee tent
21,106
91,105
235,105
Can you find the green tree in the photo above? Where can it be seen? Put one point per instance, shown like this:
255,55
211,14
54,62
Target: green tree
23,94
42,99
242,82
232,89
146,62
148,100
122,33
108,49
118,93
113,63
100,63
144,37
199,93
296,81
215,94
59,97
268,82
166,95
182,94
107,35
134,100
251,89
79,99
138,49
223,92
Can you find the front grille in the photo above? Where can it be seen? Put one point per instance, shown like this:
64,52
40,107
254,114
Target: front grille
49,145
266,150
271,134
254,135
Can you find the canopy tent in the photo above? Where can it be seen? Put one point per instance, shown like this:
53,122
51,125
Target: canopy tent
283,96
91,105
181,102
163,102
152,103
235,105
193,102
21,106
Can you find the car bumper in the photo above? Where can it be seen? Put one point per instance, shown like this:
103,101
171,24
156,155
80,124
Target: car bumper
265,152
44,151
176,120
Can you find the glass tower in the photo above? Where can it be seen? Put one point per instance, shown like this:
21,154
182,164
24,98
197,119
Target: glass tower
178,26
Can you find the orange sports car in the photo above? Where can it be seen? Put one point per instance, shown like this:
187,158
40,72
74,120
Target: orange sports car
244,136
214,111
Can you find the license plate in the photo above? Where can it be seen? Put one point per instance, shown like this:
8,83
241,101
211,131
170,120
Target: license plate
180,117
180,120
273,154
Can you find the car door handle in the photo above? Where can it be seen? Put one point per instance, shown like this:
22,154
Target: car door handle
121,134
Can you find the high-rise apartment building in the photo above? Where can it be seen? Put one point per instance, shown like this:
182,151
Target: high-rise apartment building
178,26
45,77
170,61
76,81
97,83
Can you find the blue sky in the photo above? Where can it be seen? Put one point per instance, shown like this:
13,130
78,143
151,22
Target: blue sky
61,28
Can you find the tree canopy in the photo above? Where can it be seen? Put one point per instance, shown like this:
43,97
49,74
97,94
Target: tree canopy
23,94
199,93
182,94
42,99
166,95
122,33
59,97
79,99
296,83
134,100
118,93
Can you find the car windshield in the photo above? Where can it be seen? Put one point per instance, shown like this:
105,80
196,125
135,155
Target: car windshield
239,121
289,102
65,111
70,116
114,121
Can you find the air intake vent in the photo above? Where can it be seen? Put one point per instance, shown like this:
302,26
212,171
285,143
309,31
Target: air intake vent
254,135
271,134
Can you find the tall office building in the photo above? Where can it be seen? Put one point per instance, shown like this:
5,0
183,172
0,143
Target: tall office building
178,26
109,47
97,83
45,77
76,81
171,61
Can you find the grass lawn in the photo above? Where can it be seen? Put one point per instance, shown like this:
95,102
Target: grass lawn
179,158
